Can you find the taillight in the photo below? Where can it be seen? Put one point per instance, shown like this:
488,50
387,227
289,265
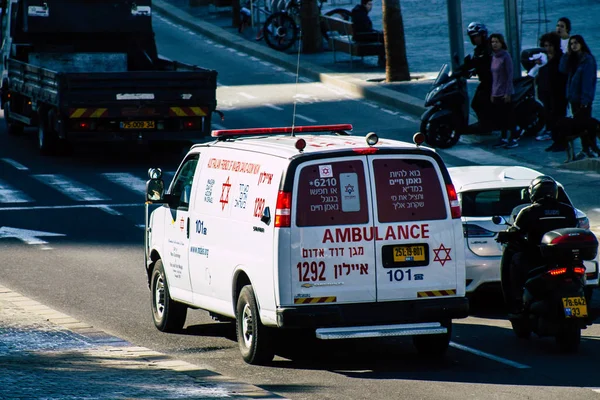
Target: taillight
283,208
471,230
557,271
579,270
194,123
575,237
454,204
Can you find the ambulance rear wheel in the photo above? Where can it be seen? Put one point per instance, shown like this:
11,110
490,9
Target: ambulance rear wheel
254,339
434,345
168,315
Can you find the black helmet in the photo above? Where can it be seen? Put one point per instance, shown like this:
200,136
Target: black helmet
543,187
477,29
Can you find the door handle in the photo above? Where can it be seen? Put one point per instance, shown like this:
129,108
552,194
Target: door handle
187,228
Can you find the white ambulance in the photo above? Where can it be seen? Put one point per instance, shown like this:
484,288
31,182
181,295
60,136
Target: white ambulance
308,228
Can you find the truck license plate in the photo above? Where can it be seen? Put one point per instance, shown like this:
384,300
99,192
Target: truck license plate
575,307
409,253
138,125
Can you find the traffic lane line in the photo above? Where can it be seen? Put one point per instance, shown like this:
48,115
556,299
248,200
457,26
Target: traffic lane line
489,356
103,207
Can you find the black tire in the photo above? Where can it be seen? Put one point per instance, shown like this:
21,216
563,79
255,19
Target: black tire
254,339
167,314
569,337
440,133
434,345
47,138
280,31
533,120
13,128
521,328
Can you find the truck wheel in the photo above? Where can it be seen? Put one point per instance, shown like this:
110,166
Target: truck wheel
13,128
47,138
434,345
253,337
168,315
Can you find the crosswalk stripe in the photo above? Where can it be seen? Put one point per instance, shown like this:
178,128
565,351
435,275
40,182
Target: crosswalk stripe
127,180
73,189
15,164
9,195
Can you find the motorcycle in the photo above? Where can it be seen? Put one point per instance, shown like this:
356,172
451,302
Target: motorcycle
554,302
448,115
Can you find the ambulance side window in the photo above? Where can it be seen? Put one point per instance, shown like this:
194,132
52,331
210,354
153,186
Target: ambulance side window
181,189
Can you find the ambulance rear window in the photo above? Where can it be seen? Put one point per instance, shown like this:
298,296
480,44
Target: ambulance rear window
408,190
332,193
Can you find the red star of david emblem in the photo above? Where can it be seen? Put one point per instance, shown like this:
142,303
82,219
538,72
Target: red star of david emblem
225,194
446,256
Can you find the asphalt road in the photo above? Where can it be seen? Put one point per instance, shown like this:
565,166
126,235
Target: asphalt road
95,271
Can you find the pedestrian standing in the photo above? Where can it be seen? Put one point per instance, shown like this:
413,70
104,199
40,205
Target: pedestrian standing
580,66
480,62
563,29
502,91
551,87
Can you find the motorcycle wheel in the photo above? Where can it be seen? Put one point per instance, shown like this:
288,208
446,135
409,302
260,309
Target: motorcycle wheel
440,133
533,120
521,328
569,337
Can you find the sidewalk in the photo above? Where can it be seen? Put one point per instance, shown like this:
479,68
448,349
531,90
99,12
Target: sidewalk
48,355
365,78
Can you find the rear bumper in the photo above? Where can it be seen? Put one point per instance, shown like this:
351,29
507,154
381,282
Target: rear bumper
364,314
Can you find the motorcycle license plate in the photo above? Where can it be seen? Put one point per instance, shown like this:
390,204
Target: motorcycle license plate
575,307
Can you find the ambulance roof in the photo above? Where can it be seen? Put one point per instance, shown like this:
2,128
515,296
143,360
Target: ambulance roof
285,145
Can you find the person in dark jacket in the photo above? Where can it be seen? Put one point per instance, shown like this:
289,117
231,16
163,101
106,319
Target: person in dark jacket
480,62
363,27
552,88
545,213
580,66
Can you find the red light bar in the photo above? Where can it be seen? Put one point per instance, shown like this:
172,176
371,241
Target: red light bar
221,133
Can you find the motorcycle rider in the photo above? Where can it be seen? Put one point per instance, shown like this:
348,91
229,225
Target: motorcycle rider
480,62
543,215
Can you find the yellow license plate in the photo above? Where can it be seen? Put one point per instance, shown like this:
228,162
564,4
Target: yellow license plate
575,307
138,125
409,253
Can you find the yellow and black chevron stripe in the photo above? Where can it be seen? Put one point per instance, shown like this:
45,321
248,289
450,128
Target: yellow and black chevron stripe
88,112
188,111
437,293
315,300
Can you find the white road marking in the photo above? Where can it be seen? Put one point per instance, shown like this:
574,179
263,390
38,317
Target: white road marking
278,69
274,107
141,226
75,190
15,164
596,210
246,95
293,75
26,235
109,210
407,118
300,116
127,180
266,63
385,110
254,58
220,46
481,156
489,356
372,105
23,208
10,195
231,50
239,53
305,80
218,127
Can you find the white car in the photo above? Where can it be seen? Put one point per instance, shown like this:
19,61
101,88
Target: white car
485,191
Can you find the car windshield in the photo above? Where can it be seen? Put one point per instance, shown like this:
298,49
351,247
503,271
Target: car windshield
490,202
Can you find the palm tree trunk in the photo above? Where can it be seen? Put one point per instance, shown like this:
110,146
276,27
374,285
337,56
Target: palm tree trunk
395,45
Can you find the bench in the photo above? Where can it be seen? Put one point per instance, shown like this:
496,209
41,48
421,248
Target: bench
340,34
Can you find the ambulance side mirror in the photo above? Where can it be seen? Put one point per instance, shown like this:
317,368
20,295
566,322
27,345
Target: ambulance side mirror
266,216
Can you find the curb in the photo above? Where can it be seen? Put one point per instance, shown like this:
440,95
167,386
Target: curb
369,91
588,165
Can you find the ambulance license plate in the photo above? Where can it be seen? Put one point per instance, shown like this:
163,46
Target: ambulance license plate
409,253
138,125
575,307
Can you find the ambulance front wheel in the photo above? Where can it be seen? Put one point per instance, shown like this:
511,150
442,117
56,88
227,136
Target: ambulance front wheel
434,345
168,315
253,337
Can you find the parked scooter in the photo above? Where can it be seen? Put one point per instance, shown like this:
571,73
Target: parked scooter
554,302
448,115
